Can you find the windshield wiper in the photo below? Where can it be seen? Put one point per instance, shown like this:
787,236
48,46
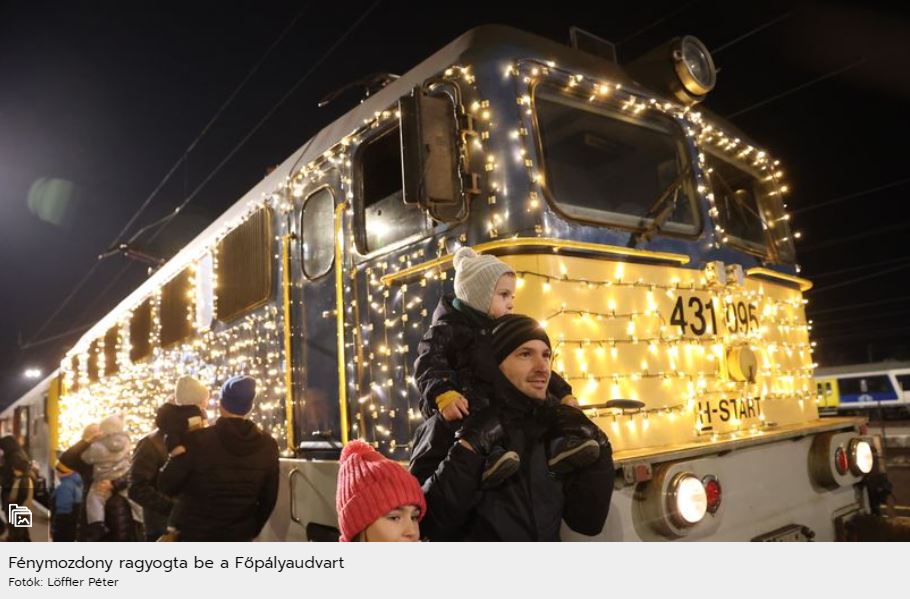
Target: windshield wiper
661,209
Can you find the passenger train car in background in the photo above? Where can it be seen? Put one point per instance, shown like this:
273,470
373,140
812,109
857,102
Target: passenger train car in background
32,419
649,238
859,388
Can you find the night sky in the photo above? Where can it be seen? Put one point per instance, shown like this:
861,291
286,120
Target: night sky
100,100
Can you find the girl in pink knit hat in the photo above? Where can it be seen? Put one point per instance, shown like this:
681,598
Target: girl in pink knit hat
377,499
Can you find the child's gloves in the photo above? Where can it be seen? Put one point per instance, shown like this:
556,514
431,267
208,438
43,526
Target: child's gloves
452,405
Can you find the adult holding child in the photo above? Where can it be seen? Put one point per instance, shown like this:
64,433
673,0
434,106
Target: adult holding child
454,373
224,478
532,504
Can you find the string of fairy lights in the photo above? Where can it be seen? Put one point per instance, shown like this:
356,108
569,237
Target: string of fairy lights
673,372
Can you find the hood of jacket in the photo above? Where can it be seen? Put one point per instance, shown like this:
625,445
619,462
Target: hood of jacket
115,442
239,436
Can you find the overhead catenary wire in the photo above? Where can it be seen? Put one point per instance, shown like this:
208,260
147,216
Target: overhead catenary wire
793,90
821,323
831,273
851,196
182,160
653,24
860,279
163,222
866,333
169,218
856,237
883,302
750,33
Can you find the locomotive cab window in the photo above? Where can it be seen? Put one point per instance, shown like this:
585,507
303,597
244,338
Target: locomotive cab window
244,272
748,208
317,226
606,167
384,216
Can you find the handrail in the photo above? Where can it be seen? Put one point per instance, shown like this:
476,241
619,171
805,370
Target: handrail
289,362
804,284
555,244
339,319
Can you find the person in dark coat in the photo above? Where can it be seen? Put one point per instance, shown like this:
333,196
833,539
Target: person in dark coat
15,483
148,458
531,505
173,420
225,478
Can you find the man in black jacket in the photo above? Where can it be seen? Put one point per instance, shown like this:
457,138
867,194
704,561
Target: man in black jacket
225,477
532,504
149,457
185,409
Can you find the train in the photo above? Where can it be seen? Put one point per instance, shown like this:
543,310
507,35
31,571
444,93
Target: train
881,387
649,236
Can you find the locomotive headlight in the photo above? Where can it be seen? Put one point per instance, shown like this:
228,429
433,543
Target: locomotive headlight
681,68
687,500
861,457
694,66
837,459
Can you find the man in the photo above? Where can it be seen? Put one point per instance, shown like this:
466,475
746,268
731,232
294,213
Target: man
225,477
151,455
531,505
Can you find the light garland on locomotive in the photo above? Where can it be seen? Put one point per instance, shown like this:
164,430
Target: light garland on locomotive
684,369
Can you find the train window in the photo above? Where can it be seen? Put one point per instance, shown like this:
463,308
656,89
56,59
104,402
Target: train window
92,365
747,207
111,348
74,366
904,381
867,384
245,267
606,167
318,233
205,292
385,218
141,331
176,310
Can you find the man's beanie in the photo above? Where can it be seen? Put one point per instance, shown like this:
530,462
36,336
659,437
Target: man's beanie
511,330
237,395
370,486
190,391
476,276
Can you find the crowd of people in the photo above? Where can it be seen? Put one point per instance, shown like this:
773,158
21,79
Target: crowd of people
504,452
